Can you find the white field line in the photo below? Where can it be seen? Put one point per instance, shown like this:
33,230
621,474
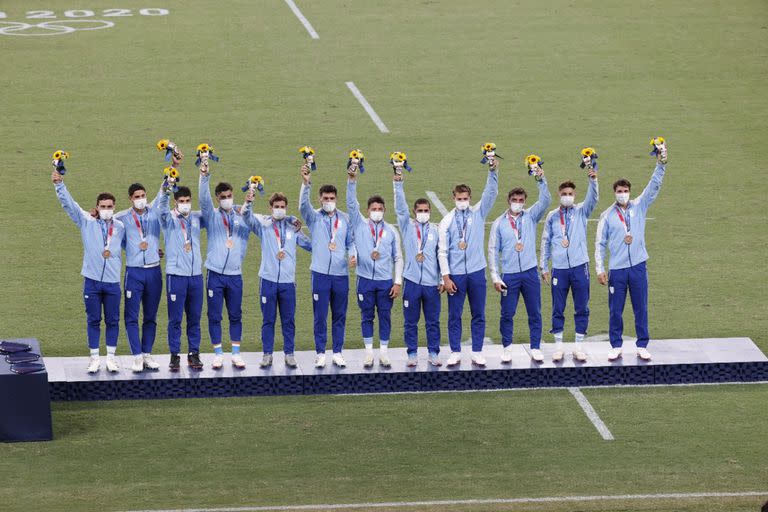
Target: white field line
591,414
437,202
304,21
368,108
499,501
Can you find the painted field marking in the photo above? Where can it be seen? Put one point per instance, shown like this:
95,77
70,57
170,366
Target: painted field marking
591,413
368,108
498,501
437,202
303,19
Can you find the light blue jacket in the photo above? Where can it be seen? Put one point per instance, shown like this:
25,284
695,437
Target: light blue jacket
320,224
427,272
611,230
95,236
221,258
387,243
273,268
573,221
454,260
150,226
177,229
502,238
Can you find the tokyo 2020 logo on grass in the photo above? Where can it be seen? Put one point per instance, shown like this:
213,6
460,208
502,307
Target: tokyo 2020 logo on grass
73,21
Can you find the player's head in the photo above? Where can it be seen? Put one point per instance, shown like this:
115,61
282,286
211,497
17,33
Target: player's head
516,199
376,208
622,189
105,204
224,195
422,209
183,199
328,198
462,195
278,202
567,193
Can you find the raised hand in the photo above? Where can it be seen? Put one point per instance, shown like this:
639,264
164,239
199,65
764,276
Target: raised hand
56,177
305,174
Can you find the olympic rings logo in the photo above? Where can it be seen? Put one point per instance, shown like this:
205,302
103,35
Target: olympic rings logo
51,28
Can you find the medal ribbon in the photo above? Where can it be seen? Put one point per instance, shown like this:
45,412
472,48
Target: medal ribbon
139,223
462,227
376,239
107,234
565,223
183,228
226,223
419,243
624,220
332,230
513,224
279,234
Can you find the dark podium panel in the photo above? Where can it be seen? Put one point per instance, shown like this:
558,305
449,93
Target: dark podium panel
25,404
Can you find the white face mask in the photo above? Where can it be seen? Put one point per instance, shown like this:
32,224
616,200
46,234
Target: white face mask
106,214
278,213
329,206
622,198
422,217
184,208
376,216
566,201
462,205
140,204
226,203
516,207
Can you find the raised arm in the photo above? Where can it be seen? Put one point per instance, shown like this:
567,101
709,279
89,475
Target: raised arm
206,203
77,214
651,190
593,195
601,242
494,247
490,192
308,213
545,199
401,207
163,208
156,200
353,206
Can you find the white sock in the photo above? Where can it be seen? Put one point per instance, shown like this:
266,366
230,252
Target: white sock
94,352
111,350
146,354
558,340
580,337
383,345
368,342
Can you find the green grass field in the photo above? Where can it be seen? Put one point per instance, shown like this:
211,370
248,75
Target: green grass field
445,76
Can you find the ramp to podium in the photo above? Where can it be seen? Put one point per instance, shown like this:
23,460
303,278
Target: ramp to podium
682,361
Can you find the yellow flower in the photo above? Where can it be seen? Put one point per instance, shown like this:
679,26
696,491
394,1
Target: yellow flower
532,159
202,148
587,151
657,140
489,146
59,155
307,149
256,179
162,144
398,156
356,153
171,172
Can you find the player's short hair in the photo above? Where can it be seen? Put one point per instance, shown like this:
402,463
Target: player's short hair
182,192
421,200
623,182
566,184
277,196
222,187
376,199
135,187
462,187
103,197
517,191
328,189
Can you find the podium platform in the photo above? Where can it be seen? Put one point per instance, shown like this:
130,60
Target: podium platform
715,360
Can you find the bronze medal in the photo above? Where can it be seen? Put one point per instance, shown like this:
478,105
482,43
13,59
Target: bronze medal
107,253
332,246
143,245
188,246
230,243
463,245
565,242
628,239
420,257
519,246
281,255
375,255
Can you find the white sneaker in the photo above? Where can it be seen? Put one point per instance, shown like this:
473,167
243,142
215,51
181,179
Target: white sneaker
150,363
218,362
558,356
413,361
338,360
506,354
453,359
536,355
478,359
368,361
138,364
320,361
579,355
643,354
112,364
238,361
614,354
94,364
434,359
384,360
